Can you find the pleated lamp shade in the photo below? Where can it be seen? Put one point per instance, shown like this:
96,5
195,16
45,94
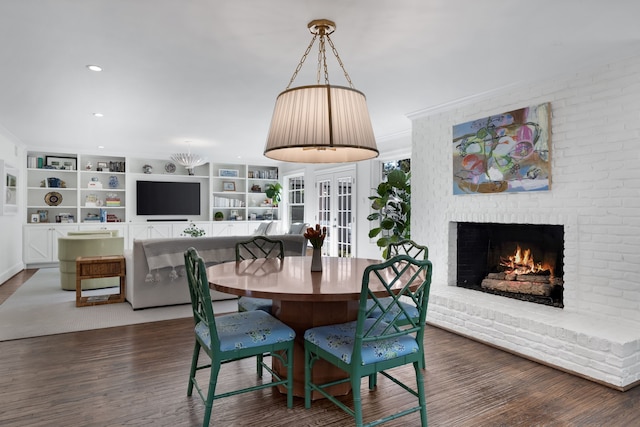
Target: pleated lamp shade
321,124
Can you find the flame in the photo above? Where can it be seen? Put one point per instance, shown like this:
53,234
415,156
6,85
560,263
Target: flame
522,262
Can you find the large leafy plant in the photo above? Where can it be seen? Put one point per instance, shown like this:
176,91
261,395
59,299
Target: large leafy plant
392,203
274,192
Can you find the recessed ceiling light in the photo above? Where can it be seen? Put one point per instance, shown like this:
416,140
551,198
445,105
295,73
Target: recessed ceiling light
98,115
100,147
94,67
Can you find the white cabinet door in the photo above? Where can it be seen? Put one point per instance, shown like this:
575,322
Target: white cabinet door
160,231
41,242
37,244
149,231
229,228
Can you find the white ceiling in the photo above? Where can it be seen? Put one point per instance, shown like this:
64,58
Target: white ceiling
209,71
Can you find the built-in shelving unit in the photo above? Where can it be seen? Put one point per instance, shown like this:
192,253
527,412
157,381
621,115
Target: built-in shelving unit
73,188
239,191
67,192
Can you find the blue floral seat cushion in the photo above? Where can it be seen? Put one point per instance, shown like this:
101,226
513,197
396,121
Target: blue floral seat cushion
245,329
411,309
338,340
251,304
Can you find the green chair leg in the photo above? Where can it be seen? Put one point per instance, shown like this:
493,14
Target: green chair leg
194,366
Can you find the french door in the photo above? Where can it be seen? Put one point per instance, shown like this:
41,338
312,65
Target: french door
336,211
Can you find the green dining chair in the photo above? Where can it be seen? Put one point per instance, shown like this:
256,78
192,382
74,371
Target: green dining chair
231,337
403,247
254,248
366,346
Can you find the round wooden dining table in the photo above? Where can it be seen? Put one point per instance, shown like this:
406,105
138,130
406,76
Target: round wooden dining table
301,299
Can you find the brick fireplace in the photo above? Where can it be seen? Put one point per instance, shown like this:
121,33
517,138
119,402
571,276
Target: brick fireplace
594,198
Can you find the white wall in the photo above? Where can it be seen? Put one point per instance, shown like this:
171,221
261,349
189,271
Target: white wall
595,194
12,152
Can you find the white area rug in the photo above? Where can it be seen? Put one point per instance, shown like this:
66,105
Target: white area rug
39,307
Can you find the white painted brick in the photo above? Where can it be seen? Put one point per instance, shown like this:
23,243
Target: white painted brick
595,195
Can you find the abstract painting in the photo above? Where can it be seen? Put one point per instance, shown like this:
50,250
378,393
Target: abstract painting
503,153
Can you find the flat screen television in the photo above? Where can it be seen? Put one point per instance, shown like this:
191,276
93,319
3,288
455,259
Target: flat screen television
167,198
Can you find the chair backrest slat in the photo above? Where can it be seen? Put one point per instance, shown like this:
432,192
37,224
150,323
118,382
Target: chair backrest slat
200,294
400,276
407,247
259,247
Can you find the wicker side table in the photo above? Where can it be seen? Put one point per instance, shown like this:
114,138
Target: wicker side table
95,268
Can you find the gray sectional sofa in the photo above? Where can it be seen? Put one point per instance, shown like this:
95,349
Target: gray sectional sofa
155,267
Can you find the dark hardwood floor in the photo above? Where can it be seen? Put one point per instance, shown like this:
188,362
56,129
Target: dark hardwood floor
137,375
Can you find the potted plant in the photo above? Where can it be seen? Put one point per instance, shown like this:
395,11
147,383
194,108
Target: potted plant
218,216
193,231
274,192
392,203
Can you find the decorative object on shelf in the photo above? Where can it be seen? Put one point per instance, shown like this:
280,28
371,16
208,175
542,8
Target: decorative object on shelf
53,183
113,218
193,231
92,217
94,183
65,218
316,237
113,182
102,167
116,166
63,163
52,198
90,201
147,168
112,200
218,216
188,160
35,218
231,173
321,123
170,167
88,166
228,186
43,215
255,188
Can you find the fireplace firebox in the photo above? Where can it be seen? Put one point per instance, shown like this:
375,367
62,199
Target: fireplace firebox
522,261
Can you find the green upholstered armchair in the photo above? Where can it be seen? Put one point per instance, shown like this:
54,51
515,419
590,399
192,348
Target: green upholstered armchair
87,244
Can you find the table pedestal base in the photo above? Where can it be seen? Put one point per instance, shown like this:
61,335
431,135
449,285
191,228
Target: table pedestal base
300,316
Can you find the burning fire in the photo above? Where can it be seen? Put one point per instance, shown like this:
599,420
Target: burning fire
522,262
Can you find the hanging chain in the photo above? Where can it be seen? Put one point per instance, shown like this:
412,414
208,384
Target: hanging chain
322,61
304,57
335,52
322,58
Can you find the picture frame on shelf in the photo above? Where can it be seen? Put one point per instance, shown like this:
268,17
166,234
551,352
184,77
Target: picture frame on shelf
102,166
62,163
228,186
231,173
43,215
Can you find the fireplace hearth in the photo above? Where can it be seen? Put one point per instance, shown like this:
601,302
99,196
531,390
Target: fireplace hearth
521,261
